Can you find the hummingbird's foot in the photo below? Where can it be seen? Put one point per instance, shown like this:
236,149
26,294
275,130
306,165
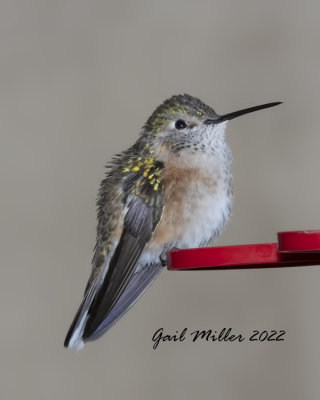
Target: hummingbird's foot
163,256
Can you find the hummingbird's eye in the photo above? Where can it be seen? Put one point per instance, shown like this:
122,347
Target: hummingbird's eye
180,124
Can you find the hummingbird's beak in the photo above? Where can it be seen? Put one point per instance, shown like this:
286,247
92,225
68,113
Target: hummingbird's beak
236,114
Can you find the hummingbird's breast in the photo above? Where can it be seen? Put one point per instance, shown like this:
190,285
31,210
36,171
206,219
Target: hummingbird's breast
197,207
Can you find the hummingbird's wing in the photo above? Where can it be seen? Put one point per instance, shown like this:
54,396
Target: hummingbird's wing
137,231
137,285
144,209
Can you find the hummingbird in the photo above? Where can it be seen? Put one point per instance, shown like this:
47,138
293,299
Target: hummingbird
171,189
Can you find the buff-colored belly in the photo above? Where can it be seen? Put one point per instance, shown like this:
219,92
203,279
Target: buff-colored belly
195,208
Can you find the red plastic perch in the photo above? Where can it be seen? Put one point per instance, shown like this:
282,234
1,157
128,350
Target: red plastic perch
297,248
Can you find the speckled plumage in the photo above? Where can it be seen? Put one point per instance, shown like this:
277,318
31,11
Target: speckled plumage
177,105
172,188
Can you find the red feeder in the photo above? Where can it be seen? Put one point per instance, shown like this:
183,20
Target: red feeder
297,248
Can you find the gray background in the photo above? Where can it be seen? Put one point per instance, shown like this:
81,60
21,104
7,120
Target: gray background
78,80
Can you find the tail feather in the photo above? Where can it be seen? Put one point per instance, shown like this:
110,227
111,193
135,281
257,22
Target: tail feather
73,339
138,284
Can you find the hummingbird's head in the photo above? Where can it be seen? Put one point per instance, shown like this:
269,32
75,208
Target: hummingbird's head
178,128
185,125
178,116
